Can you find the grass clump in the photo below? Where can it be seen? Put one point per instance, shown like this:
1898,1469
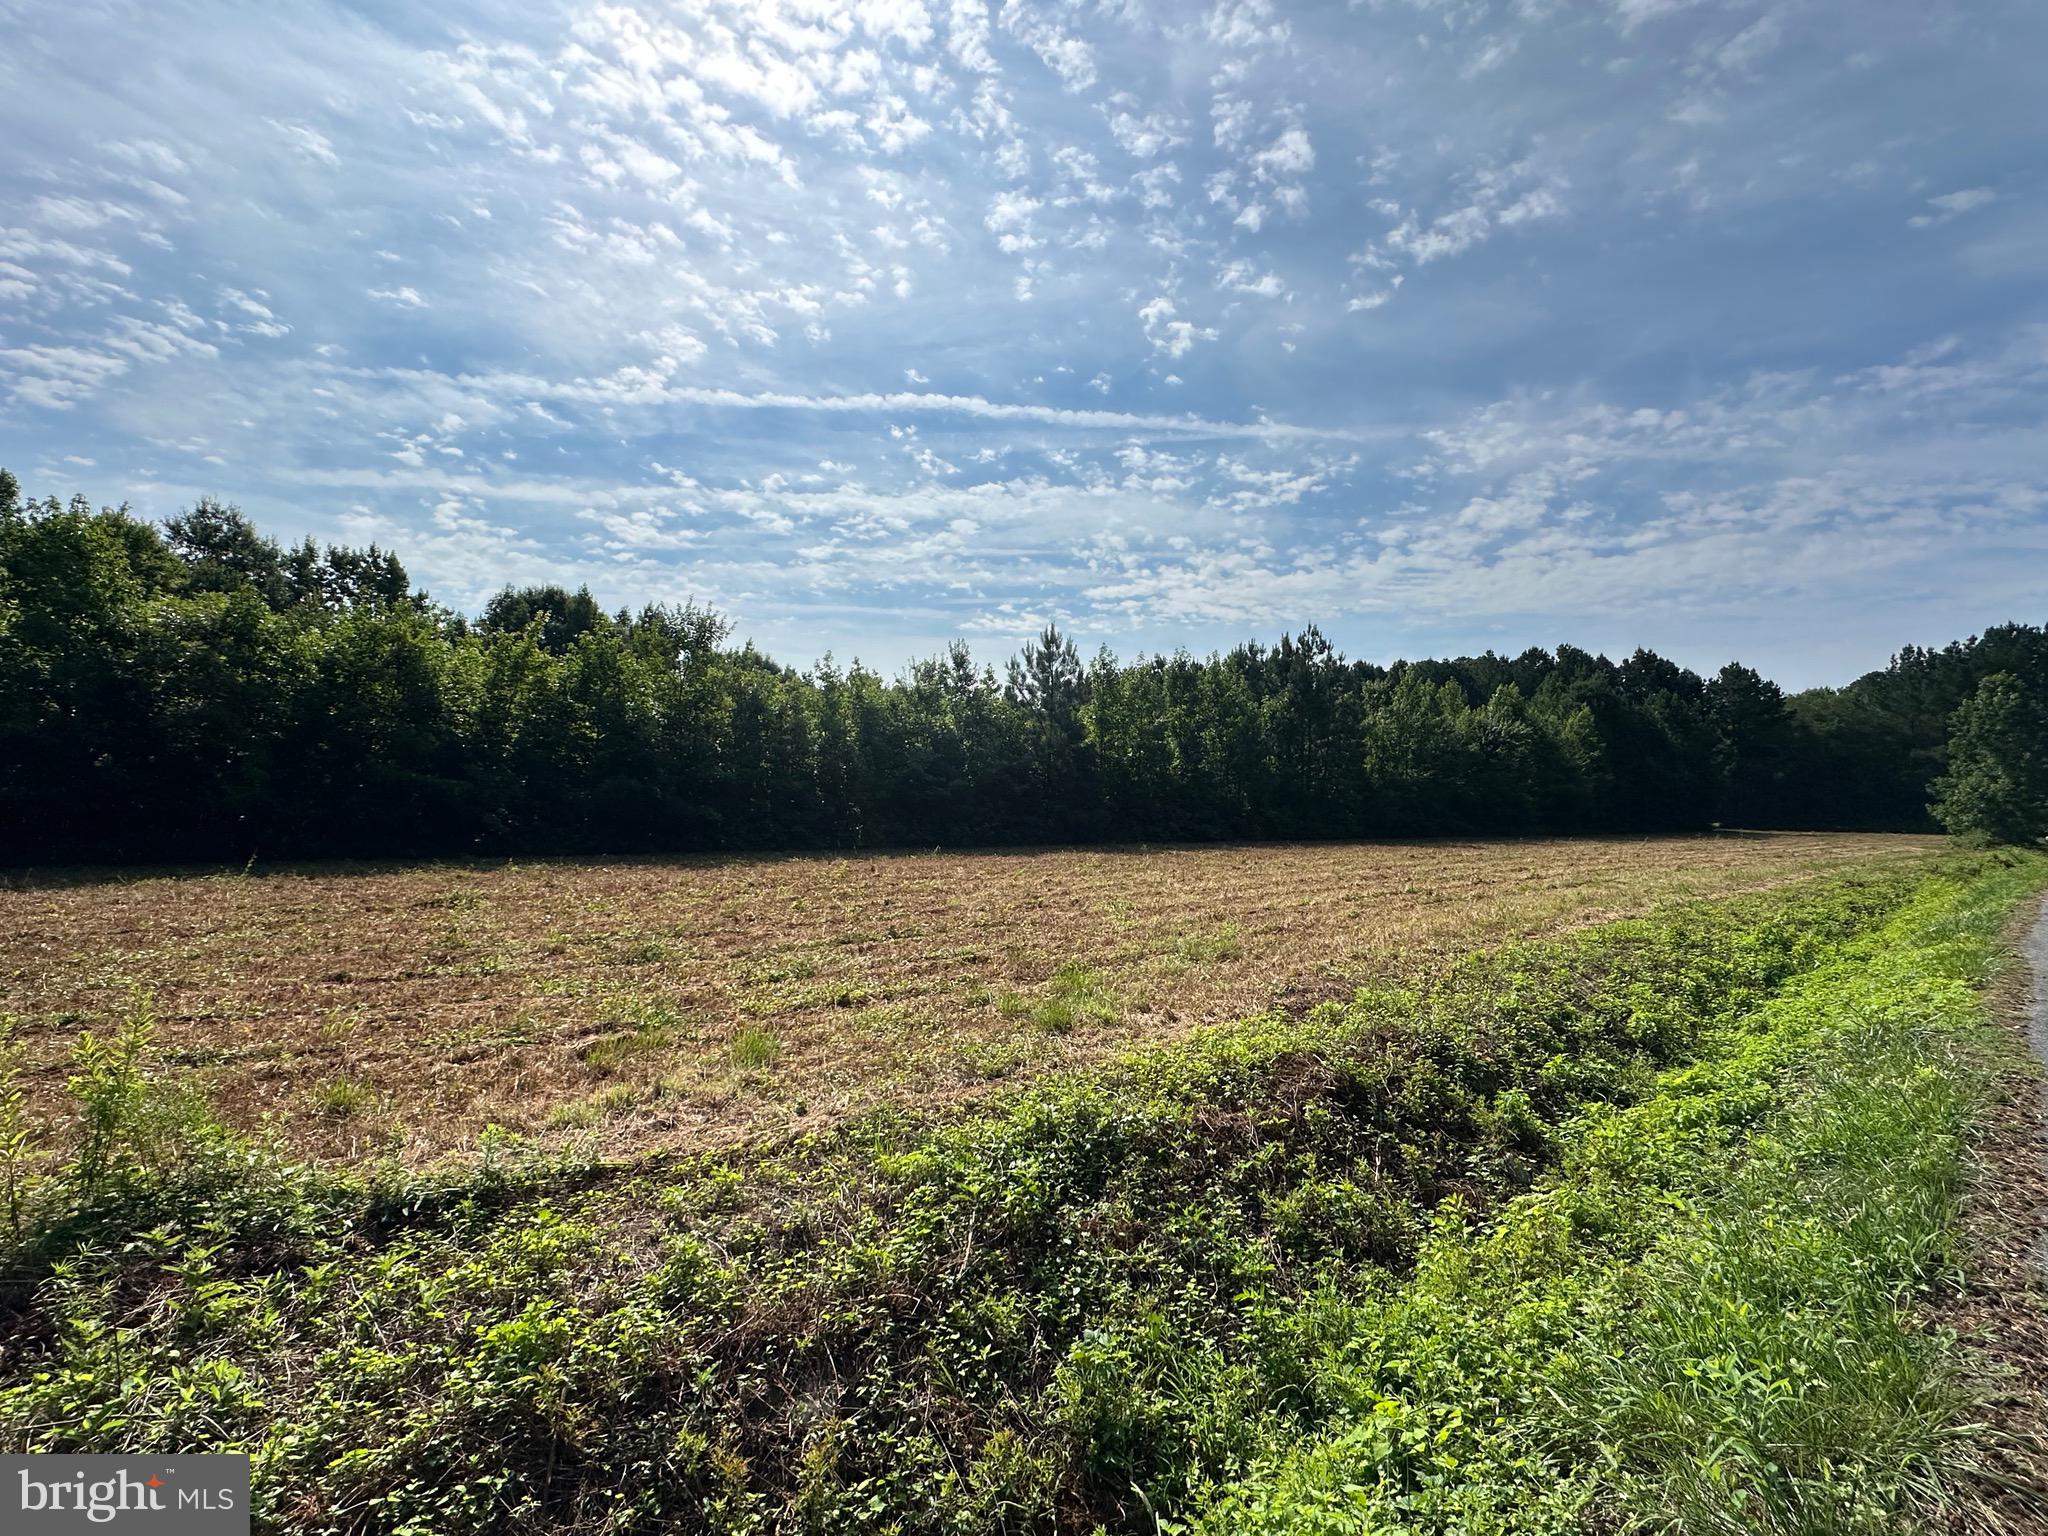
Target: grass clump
754,1049
606,1102
782,968
343,1098
1226,942
1077,997
613,1051
990,1061
654,1025
341,1024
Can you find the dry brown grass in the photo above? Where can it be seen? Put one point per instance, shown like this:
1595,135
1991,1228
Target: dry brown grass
645,1003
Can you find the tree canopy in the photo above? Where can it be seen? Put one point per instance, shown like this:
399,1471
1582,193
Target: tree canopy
1996,786
196,691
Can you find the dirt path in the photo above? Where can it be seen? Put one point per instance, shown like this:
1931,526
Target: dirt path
2002,1309
2035,1014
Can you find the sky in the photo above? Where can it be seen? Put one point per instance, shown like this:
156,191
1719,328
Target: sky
1713,326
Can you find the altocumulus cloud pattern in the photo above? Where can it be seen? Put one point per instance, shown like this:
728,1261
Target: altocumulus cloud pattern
1713,325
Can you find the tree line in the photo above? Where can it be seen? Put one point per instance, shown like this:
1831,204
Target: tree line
194,690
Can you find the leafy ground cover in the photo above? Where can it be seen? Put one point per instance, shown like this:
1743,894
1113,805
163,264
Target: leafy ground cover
1624,1225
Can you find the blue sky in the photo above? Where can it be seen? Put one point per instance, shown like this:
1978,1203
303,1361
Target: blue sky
1718,326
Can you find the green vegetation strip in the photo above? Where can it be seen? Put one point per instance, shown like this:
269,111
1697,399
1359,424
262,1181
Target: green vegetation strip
1625,1227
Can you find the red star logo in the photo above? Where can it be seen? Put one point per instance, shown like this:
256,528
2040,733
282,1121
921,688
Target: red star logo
155,1481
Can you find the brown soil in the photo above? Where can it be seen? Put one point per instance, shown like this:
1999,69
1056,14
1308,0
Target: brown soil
2001,1308
639,1004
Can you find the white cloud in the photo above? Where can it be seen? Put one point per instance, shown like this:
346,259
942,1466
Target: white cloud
1146,137
1171,336
905,21
1155,185
1748,47
894,126
1246,25
1009,220
967,35
22,245
1495,52
1633,13
258,318
307,142
725,222
77,213
58,377
1953,205
148,155
1291,154
1542,203
1451,235
1243,277
1068,57
1232,116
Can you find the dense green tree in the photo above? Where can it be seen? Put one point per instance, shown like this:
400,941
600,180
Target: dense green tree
1752,741
1868,752
1996,786
194,690
1050,688
223,552
76,588
1420,760
564,617
364,578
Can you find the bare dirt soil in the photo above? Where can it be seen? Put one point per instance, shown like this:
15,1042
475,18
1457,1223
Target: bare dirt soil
370,1011
1999,1307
